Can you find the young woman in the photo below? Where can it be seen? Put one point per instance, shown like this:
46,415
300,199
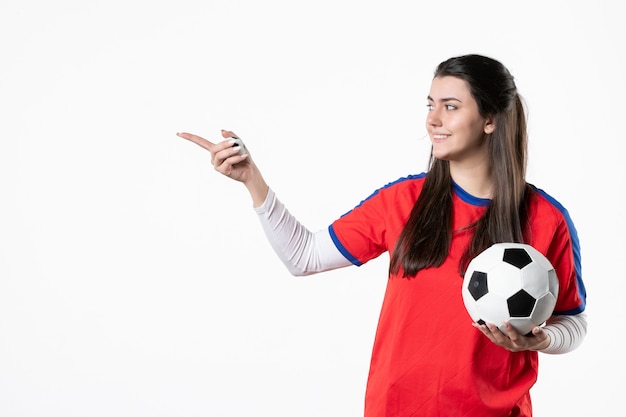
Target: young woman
427,359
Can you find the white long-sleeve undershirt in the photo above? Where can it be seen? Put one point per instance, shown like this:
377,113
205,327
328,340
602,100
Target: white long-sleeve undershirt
305,253
302,251
566,332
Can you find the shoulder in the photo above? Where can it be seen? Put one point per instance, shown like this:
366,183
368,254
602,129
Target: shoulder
403,191
408,185
546,204
415,181
550,219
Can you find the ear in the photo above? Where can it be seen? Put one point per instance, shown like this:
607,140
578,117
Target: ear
490,124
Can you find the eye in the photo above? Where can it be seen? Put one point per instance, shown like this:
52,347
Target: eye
450,107
430,107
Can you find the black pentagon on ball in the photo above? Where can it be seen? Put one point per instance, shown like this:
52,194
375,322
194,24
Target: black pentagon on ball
521,304
517,257
477,285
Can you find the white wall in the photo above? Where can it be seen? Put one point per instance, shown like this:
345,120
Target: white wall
136,281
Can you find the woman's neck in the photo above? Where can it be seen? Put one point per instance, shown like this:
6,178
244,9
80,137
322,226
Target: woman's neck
475,180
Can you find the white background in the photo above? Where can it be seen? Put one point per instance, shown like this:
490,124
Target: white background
136,281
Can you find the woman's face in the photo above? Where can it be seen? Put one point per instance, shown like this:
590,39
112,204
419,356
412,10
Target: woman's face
457,130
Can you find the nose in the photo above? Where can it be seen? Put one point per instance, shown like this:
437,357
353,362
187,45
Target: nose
433,117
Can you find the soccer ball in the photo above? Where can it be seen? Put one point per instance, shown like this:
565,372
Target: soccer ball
511,282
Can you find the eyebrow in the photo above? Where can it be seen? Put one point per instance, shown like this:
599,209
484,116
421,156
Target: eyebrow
445,99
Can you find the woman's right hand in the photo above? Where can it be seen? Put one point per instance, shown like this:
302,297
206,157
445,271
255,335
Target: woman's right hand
224,157
227,160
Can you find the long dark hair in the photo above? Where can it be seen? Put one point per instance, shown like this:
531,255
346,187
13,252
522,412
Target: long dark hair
425,239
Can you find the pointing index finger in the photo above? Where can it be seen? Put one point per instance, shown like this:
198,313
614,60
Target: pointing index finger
197,140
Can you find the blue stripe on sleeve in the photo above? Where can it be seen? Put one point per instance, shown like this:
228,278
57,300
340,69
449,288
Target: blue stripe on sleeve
341,248
582,292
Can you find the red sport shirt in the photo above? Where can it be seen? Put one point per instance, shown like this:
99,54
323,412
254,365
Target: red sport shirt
427,359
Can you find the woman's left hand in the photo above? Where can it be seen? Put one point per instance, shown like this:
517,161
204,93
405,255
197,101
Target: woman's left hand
515,342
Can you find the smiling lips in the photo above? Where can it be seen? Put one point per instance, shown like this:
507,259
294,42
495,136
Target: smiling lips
440,136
